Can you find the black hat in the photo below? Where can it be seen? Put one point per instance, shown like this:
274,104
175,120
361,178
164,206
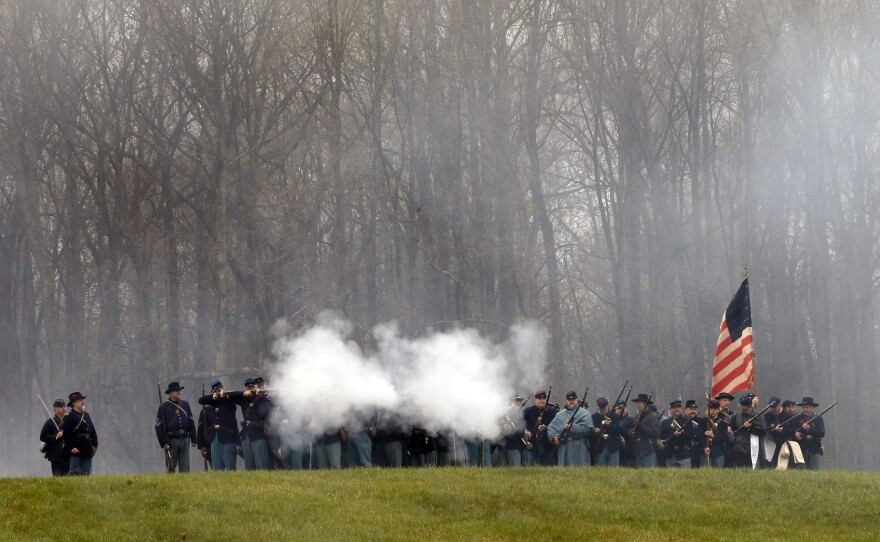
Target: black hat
571,395
788,403
74,397
174,386
714,403
691,403
620,403
676,402
541,394
775,400
745,400
724,395
216,384
601,402
58,403
259,380
248,382
642,398
808,401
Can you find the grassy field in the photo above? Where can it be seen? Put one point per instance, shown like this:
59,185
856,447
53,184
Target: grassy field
447,504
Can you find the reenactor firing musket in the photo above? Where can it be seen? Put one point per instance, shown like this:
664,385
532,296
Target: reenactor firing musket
567,426
755,417
169,465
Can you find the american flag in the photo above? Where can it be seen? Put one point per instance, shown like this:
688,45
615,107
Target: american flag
734,367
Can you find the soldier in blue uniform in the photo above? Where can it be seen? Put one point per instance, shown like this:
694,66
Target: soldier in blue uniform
716,431
255,410
627,450
175,428
676,437
725,399
53,437
694,431
80,437
645,433
606,450
537,418
577,423
809,433
513,434
221,434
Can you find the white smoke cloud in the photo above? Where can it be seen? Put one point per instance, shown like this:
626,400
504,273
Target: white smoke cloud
446,380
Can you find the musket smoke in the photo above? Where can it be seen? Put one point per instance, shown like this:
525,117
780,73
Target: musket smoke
446,380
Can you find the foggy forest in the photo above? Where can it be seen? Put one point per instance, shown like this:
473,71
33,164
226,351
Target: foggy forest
176,176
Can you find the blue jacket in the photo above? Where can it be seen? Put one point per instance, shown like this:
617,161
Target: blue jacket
79,432
220,420
255,412
178,421
611,443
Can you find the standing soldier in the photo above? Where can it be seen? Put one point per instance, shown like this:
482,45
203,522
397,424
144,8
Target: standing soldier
676,438
221,438
716,433
724,399
694,431
645,432
53,436
809,433
606,451
537,418
568,430
80,437
773,438
627,451
743,432
255,410
175,428
513,434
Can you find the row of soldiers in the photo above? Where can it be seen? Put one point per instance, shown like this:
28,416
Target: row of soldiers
541,433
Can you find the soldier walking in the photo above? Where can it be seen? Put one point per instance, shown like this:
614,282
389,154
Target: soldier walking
53,437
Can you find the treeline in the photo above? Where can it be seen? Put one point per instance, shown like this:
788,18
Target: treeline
176,175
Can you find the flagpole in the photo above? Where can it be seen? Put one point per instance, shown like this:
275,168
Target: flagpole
754,355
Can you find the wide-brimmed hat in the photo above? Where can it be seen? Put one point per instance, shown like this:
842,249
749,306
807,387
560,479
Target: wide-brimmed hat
808,401
642,398
74,397
724,395
174,386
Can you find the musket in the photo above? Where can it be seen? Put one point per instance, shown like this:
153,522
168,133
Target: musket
813,418
680,427
571,420
52,416
712,427
513,425
169,465
755,417
204,428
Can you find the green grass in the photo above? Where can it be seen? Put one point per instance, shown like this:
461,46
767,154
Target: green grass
447,504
